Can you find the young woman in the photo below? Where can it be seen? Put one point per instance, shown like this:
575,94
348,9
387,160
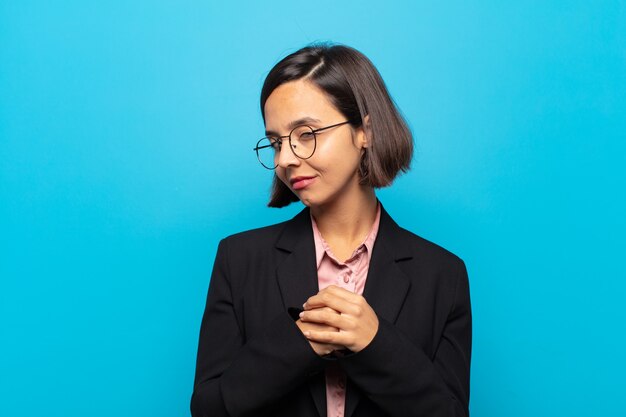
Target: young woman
338,311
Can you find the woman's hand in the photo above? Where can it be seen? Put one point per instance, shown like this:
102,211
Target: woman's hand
320,348
348,312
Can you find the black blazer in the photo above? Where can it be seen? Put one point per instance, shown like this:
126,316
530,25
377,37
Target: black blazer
254,360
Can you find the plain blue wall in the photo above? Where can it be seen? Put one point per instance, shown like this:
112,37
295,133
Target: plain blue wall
126,135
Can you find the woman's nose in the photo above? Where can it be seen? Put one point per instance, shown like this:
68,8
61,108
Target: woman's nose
286,157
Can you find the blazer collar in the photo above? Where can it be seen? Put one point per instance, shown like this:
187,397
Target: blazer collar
298,232
386,286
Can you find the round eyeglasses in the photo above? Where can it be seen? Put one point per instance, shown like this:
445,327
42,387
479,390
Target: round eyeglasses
302,141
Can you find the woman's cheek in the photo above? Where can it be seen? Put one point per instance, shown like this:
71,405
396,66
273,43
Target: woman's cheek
281,176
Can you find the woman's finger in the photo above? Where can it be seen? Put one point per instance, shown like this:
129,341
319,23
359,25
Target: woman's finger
333,338
330,318
332,300
343,293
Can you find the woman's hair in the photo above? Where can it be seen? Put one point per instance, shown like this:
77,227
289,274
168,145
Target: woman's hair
356,89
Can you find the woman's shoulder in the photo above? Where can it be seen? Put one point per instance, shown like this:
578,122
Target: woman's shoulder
430,249
254,248
406,242
424,258
257,236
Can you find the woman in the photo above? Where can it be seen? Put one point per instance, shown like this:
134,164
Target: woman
338,311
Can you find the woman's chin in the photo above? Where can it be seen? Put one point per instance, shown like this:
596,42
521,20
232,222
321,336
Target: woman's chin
308,199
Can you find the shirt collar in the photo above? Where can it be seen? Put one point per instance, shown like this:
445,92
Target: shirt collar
321,247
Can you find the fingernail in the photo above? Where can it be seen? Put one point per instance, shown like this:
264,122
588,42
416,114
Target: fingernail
301,314
307,333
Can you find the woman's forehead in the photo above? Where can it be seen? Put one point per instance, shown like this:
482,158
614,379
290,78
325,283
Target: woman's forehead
297,101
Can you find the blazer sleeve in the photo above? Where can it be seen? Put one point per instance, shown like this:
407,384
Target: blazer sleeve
403,380
234,376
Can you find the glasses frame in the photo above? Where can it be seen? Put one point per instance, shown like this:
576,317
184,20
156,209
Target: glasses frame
279,139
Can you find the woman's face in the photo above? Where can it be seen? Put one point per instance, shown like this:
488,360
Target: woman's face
332,171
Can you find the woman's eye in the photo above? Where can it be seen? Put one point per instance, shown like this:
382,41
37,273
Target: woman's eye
275,143
305,136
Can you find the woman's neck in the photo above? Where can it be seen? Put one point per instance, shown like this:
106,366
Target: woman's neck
345,223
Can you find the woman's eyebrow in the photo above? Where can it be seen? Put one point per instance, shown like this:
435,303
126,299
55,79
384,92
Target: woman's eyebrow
295,123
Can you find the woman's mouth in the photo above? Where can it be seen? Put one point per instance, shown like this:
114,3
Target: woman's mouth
299,183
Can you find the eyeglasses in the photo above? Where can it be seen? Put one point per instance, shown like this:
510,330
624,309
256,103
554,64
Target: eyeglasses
302,141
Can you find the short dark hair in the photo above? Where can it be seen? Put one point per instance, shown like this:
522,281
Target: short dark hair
356,89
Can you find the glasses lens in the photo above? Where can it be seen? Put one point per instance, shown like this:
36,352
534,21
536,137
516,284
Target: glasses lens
267,150
303,142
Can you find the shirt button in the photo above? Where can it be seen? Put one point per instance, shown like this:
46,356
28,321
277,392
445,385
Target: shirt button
346,279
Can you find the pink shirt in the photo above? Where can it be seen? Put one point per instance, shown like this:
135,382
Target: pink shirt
350,275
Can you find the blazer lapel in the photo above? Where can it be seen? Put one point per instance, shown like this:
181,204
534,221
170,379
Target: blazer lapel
297,279
386,286
296,272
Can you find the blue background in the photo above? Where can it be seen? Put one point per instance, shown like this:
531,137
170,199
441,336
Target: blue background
126,135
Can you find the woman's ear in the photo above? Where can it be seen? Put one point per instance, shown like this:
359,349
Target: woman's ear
365,138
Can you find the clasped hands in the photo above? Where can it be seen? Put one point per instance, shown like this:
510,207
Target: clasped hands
335,319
